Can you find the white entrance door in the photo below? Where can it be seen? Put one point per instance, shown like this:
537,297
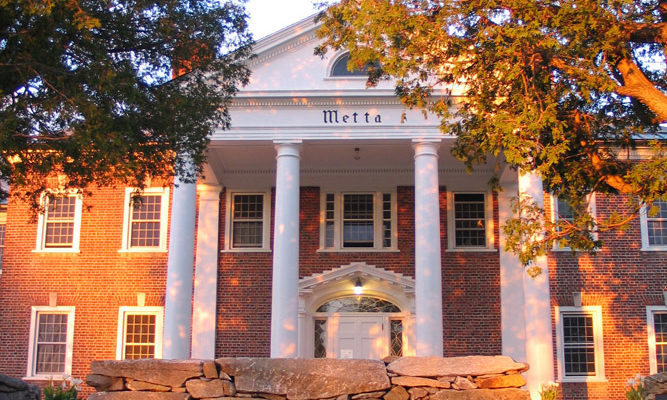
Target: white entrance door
357,336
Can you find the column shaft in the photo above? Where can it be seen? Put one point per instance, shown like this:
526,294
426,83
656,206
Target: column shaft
206,273
285,289
178,302
428,264
537,309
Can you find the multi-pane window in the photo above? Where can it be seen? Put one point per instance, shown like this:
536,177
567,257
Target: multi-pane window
2,243
59,222
580,348
145,226
139,336
145,221
396,338
51,341
320,337
247,220
578,345
358,221
469,220
660,329
656,225
139,333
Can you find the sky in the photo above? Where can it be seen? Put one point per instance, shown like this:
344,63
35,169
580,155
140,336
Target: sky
268,16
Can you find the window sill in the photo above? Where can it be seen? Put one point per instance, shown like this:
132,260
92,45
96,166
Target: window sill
55,377
471,250
246,251
654,248
143,250
68,250
358,250
584,379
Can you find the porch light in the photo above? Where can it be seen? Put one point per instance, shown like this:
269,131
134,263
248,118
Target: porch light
358,287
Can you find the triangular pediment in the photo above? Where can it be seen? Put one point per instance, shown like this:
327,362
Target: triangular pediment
353,271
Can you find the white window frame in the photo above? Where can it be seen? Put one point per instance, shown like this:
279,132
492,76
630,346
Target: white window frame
41,224
596,313
643,218
592,210
266,222
159,324
488,222
378,236
650,325
3,223
32,344
127,220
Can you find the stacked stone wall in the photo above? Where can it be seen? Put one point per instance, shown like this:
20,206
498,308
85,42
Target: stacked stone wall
408,378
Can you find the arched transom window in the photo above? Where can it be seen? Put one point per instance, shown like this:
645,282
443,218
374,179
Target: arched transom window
358,304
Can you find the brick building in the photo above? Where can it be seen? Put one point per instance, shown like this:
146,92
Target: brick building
330,222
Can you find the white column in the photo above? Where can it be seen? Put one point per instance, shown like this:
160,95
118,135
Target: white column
513,324
178,302
285,289
537,308
428,264
206,273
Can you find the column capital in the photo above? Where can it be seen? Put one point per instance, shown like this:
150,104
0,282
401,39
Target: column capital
208,191
289,148
426,147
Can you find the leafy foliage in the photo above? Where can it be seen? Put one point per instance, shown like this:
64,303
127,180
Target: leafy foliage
566,88
87,90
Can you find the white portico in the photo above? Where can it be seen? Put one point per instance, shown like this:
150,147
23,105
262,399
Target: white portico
301,123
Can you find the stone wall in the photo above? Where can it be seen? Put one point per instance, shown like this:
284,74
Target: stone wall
655,386
407,378
15,389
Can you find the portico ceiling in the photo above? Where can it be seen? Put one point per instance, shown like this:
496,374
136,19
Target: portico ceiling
381,163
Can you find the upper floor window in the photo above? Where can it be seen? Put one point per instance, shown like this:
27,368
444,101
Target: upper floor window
562,210
3,224
579,334
247,221
470,217
654,226
51,341
358,221
145,222
339,68
139,333
59,222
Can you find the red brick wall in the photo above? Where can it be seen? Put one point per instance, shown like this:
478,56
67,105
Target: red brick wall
471,283
97,281
622,280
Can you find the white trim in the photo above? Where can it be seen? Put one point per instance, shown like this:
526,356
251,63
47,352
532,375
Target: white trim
32,353
378,237
41,224
650,327
596,313
643,218
592,210
127,216
159,321
266,223
488,221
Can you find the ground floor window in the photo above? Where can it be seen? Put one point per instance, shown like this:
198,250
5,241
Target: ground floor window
579,332
51,340
139,333
657,327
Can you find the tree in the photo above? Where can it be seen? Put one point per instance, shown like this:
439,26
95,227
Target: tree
561,87
86,88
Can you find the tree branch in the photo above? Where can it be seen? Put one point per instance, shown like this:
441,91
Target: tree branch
647,33
636,85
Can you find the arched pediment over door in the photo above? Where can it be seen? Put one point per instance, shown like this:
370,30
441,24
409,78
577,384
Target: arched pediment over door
329,319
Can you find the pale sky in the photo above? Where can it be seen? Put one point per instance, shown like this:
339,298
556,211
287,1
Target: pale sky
268,16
